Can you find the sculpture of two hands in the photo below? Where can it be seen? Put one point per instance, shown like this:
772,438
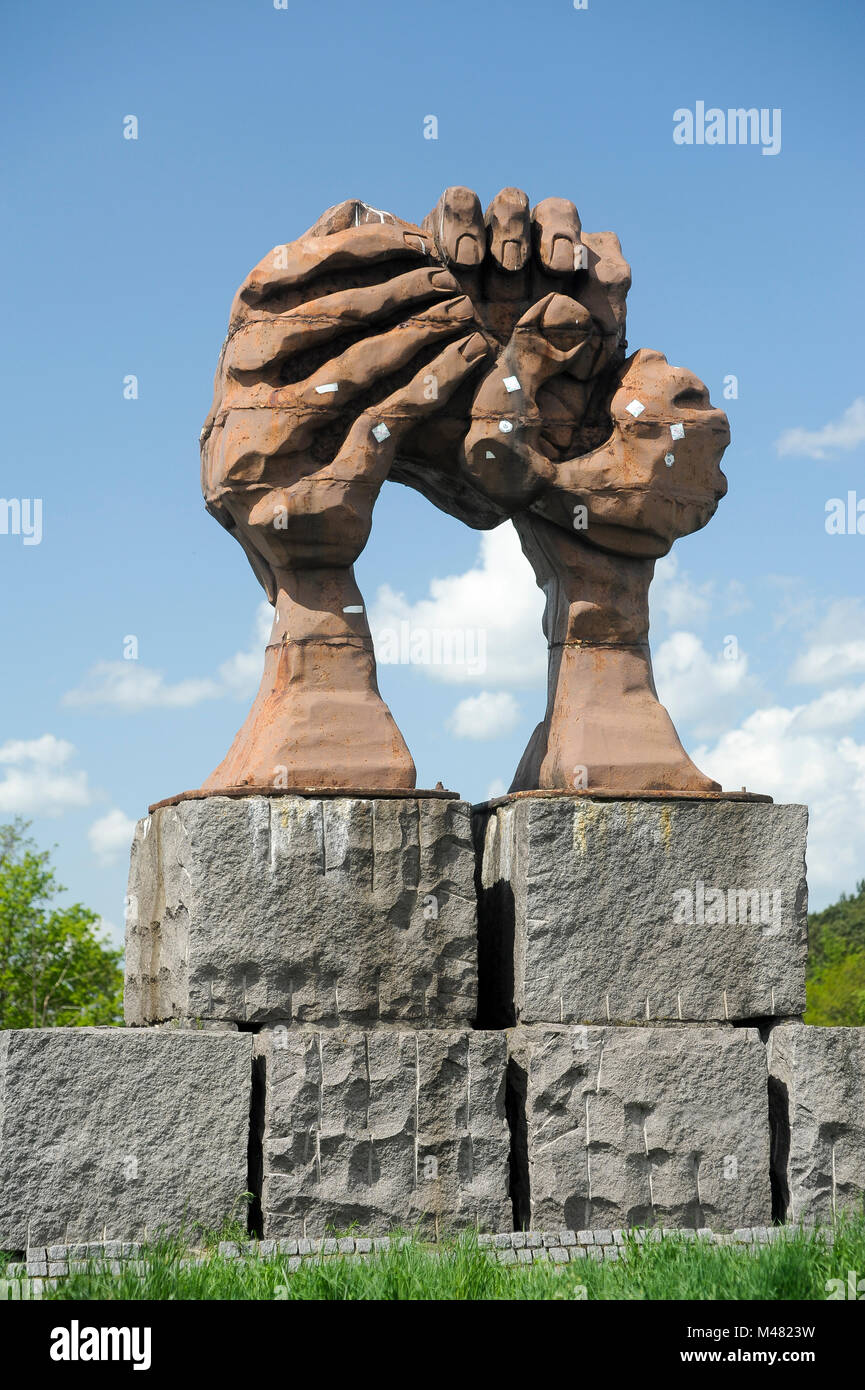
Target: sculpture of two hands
480,358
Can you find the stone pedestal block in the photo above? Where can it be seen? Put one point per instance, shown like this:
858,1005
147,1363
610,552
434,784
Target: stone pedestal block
108,1131
598,911
817,1087
641,1126
384,1128
313,910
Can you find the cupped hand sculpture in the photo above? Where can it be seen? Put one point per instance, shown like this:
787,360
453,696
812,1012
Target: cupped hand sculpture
481,359
316,386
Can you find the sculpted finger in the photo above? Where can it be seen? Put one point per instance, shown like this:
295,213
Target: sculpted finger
216,402
562,403
297,262
557,325
354,212
556,235
270,338
339,380
457,225
242,450
376,433
605,285
364,363
254,447
658,474
508,221
257,450
557,334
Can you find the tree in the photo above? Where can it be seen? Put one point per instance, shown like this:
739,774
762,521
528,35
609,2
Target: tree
836,993
842,922
55,967
836,963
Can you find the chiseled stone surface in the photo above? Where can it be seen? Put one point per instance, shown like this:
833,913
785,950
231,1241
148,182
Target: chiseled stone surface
317,910
622,911
108,1131
818,1085
653,1126
384,1128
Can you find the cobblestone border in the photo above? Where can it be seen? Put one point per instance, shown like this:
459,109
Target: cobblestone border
44,1265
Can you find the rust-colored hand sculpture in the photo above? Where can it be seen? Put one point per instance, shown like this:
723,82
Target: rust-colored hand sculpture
480,359
316,386
592,539
600,461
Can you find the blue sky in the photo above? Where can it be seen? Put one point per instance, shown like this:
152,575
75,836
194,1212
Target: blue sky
122,258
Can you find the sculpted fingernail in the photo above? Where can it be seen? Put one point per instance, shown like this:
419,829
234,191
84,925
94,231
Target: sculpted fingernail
562,255
468,250
443,280
474,348
460,308
415,242
513,255
567,315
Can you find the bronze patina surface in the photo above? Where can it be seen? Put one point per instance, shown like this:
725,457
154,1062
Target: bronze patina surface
481,359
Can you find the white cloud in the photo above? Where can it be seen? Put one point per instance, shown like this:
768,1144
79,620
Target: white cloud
834,707
490,617
844,434
116,935
680,601
241,674
127,686
675,595
38,780
487,715
835,649
111,836
497,787
774,752
130,687
826,661
700,688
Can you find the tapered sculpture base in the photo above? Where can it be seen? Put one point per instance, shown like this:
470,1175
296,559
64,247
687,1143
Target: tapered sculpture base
605,728
318,719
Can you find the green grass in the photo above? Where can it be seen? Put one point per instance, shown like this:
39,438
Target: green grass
667,1269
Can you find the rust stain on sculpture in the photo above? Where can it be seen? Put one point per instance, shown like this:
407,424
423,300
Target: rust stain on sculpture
480,358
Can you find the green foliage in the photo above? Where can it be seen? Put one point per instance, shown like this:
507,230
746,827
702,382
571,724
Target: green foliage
836,963
798,1267
843,922
836,993
55,968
